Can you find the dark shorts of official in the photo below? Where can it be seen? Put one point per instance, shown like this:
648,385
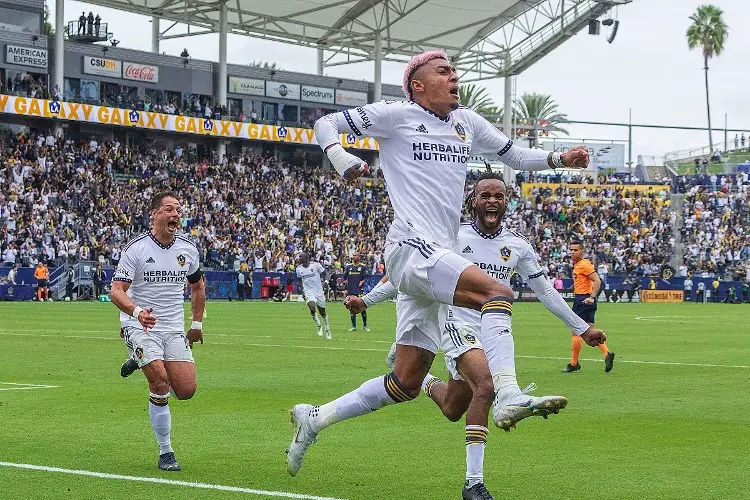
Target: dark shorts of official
584,311
41,284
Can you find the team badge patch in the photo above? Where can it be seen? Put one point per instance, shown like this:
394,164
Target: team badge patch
505,253
460,131
468,336
181,260
139,352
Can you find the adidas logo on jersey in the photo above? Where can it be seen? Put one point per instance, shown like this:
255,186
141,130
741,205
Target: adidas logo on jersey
467,250
422,129
150,261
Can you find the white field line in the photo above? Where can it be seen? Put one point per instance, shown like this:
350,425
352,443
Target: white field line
25,387
171,482
366,349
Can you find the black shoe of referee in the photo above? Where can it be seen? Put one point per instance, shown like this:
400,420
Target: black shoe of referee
128,367
609,361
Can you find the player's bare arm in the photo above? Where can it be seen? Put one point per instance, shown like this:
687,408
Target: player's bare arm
197,305
123,302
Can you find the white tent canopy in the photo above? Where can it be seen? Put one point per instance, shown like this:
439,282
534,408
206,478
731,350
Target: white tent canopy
484,38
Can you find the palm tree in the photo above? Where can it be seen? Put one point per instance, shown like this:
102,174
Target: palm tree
477,98
264,65
709,32
531,109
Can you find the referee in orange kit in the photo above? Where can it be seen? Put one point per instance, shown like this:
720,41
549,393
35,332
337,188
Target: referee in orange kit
586,286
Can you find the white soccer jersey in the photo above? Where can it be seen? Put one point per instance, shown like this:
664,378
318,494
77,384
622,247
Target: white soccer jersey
499,255
310,277
157,275
423,158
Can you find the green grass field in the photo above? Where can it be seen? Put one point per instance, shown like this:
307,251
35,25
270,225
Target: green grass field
669,422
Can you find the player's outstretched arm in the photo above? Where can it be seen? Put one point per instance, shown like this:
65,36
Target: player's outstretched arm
371,120
122,301
555,303
493,144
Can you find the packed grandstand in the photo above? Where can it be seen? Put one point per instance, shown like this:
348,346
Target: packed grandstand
65,200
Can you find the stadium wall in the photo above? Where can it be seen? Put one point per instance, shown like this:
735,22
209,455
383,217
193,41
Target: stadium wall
223,284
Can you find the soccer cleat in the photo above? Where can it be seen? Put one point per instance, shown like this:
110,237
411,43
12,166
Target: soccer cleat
328,334
390,359
128,367
476,492
168,462
367,329
609,361
302,437
320,331
353,329
510,410
572,368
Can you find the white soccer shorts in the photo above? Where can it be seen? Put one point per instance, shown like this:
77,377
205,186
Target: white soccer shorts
319,300
426,276
154,345
458,338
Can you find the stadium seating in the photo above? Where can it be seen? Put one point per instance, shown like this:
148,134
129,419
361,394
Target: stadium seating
64,201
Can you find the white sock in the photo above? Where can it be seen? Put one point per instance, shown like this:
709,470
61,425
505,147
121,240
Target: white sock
161,420
325,322
315,318
476,439
497,340
370,396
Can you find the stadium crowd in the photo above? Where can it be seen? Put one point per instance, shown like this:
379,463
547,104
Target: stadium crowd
61,201
715,230
627,231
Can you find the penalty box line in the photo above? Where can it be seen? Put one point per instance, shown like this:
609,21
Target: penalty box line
171,482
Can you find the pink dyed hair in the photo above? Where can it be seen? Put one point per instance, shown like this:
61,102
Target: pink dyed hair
418,61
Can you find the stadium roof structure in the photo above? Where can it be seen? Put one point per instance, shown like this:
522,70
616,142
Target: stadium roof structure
484,38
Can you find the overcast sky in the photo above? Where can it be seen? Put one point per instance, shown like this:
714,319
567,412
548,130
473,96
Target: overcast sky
648,69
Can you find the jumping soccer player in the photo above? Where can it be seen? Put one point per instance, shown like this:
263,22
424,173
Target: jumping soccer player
148,289
425,144
586,286
309,274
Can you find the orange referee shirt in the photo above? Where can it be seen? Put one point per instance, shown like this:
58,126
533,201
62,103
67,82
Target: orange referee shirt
582,284
41,273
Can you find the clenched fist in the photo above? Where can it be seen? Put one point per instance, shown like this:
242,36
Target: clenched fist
577,157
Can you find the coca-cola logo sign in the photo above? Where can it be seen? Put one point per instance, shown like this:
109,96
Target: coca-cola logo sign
140,72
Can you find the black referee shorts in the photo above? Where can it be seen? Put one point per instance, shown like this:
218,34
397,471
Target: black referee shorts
584,311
